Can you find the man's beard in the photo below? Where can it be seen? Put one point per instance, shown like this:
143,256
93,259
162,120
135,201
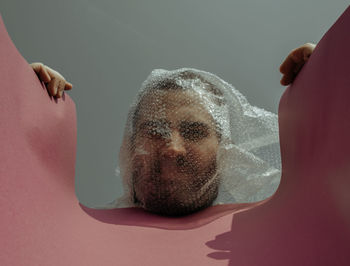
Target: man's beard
187,189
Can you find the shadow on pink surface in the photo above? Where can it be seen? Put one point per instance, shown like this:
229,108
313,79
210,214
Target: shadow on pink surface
139,217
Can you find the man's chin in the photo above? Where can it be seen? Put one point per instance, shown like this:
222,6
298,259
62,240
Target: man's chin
169,207
174,203
175,207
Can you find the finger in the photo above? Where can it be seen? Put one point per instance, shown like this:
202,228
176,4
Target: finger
309,48
297,67
41,71
306,50
52,86
60,88
54,73
290,76
289,63
296,59
287,66
44,75
303,53
286,80
68,86
297,56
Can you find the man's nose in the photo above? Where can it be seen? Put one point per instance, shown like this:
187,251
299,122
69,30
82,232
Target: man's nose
174,145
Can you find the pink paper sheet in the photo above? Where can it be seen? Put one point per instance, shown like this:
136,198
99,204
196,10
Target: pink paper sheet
307,221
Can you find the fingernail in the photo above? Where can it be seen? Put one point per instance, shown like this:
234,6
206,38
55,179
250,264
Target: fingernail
55,91
60,93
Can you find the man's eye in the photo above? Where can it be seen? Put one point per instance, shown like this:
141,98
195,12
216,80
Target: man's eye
194,131
155,133
155,130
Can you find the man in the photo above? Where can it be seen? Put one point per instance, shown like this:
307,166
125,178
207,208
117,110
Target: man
171,150
175,134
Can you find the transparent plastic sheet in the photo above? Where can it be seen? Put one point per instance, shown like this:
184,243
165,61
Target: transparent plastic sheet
192,140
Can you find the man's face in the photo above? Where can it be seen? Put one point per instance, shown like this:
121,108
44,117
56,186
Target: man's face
174,153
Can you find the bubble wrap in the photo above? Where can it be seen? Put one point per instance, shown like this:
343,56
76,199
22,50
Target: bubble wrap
192,140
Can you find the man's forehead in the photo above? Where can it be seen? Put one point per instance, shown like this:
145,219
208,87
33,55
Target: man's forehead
169,98
175,106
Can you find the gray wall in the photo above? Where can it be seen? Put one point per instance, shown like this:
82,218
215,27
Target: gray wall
107,48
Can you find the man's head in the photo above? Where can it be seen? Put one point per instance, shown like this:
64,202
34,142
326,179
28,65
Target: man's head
174,147
192,138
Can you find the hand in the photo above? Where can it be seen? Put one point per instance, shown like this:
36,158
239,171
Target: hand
54,81
294,62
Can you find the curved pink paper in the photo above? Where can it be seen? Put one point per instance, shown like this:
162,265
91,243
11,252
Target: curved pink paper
307,221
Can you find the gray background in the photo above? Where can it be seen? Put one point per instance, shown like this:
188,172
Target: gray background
106,48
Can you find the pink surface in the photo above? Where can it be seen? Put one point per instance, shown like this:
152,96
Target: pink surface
307,221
